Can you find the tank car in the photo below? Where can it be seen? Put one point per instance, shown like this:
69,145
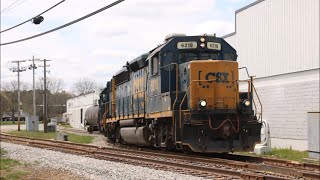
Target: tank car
183,94
92,119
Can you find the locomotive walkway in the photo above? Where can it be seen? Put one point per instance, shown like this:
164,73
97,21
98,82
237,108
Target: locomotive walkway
229,167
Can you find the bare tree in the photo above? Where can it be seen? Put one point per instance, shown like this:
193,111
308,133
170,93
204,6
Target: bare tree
84,85
54,85
13,86
5,101
9,95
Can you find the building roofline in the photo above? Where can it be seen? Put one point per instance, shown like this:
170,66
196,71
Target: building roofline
248,6
228,35
81,95
235,17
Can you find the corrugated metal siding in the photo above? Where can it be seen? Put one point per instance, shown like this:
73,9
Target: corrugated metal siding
277,36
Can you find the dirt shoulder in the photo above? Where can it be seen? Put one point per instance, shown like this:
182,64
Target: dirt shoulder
14,169
25,171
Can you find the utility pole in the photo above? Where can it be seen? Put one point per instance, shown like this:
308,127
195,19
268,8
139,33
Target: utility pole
33,67
45,103
18,69
45,123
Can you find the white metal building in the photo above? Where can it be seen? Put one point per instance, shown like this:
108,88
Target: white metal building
278,41
77,106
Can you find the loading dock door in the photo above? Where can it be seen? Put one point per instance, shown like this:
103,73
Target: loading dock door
81,116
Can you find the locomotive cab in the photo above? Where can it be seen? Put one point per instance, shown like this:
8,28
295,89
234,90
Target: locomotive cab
211,115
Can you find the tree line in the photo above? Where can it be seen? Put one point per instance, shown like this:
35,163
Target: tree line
56,95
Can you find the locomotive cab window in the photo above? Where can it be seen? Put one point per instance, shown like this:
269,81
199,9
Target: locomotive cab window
104,98
168,58
213,56
155,65
230,56
189,56
185,57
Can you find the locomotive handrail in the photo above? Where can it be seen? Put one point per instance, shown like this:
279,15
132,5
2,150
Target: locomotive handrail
250,81
249,92
258,100
127,96
253,89
255,106
212,80
186,95
227,120
119,99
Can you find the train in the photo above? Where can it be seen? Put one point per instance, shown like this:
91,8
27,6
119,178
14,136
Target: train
182,95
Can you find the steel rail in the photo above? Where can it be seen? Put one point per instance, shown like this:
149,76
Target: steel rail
209,162
140,157
115,155
218,156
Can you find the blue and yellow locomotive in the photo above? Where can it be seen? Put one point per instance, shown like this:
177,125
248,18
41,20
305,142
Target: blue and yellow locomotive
184,94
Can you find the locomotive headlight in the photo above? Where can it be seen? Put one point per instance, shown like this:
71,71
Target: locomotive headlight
247,103
202,39
202,103
202,45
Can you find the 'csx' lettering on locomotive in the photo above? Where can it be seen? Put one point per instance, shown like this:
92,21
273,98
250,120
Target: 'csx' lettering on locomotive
219,77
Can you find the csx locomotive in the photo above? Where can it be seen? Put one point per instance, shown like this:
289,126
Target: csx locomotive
183,94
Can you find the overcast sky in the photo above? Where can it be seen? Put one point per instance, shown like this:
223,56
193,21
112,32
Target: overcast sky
99,46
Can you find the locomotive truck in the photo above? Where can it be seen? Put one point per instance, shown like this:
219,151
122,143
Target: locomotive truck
183,94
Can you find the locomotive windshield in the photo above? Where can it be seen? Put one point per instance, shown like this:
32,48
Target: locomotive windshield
189,56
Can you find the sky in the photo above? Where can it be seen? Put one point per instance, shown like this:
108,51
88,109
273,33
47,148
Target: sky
97,47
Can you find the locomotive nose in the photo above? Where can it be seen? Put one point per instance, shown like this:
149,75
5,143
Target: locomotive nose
213,83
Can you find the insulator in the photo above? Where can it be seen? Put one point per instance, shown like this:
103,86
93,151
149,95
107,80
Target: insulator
37,20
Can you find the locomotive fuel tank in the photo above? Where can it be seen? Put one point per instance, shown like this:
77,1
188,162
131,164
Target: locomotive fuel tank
91,115
133,135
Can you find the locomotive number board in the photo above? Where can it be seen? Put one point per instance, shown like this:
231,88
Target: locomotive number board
187,45
213,45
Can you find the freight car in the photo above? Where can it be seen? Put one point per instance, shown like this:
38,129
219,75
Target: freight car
183,94
91,118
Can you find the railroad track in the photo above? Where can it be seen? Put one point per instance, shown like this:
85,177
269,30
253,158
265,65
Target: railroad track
207,167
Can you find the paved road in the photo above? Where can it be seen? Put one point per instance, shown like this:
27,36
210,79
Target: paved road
6,128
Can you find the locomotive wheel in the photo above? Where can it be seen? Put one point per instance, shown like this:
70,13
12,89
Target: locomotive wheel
186,150
101,130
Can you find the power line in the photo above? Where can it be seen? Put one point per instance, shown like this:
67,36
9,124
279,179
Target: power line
14,6
67,24
32,17
9,6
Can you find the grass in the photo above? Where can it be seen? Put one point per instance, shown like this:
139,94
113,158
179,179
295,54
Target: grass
52,135
2,152
80,139
3,123
65,125
15,175
282,153
8,167
289,154
6,163
39,134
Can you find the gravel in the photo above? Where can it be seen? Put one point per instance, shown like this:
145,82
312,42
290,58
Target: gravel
85,167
